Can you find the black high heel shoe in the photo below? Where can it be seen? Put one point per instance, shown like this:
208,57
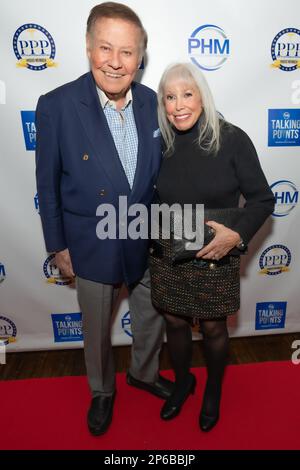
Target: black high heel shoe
206,423
211,402
173,405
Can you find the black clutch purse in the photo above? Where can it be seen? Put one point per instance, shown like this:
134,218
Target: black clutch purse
226,216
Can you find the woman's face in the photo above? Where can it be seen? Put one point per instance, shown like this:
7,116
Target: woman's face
183,103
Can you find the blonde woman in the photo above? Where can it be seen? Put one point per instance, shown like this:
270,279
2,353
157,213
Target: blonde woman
212,162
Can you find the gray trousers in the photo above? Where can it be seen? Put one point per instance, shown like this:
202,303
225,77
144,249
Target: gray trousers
96,301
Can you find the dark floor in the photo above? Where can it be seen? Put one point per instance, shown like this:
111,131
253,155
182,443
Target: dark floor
71,362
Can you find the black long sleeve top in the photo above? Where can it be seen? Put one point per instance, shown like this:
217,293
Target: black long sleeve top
192,176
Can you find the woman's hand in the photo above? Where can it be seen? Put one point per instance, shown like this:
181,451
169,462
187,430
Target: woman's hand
224,240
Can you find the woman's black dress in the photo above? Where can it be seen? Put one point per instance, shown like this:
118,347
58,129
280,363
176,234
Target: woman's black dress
191,176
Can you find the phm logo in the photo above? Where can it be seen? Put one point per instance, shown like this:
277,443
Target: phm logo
8,330
53,274
285,50
275,260
126,324
34,47
286,196
208,47
29,129
2,272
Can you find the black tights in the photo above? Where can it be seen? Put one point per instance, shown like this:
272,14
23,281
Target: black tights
179,340
215,343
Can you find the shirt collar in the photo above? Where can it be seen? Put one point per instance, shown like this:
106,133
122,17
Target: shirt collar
105,101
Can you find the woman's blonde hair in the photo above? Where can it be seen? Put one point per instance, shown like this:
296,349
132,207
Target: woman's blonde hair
209,129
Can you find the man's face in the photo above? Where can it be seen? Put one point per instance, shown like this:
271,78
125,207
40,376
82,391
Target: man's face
114,51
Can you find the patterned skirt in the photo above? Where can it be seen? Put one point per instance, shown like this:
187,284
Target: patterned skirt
194,289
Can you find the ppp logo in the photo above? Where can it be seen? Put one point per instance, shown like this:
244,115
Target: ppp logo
34,47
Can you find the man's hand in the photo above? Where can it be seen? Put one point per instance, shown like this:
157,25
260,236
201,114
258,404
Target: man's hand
64,263
225,239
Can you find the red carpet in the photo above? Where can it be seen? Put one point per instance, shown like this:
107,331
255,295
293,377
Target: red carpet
260,410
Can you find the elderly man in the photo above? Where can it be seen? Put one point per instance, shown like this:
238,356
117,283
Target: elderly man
97,140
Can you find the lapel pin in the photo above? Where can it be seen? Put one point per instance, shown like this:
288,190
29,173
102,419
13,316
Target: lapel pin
85,157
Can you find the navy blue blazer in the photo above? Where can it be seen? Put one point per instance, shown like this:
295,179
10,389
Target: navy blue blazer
78,168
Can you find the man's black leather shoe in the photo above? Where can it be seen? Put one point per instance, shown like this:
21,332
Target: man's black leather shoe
162,388
173,405
100,414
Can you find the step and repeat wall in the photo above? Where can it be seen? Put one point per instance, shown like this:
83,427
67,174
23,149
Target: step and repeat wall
250,54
